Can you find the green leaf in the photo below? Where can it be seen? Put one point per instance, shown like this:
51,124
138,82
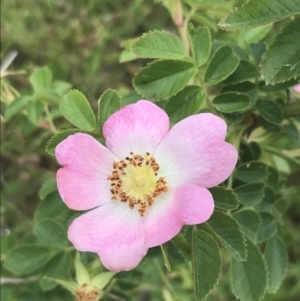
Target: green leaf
16,106
259,12
34,111
206,260
249,278
59,266
252,172
250,194
228,231
51,233
269,110
277,87
55,140
281,60
27,258
279,208
243,72
224,198
108,104
249,221
200,41
76,108
48,187
41,79
127,55
267,201
241,53
276,257
180,241
223,63
267,227
159,44
163,79
61,87
51,206
231,102
185,103
257,49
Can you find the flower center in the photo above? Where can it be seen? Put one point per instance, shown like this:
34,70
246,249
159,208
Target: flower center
135,180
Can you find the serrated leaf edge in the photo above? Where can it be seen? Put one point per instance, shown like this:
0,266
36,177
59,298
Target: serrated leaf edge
193,264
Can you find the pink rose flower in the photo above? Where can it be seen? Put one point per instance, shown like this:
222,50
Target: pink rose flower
145,185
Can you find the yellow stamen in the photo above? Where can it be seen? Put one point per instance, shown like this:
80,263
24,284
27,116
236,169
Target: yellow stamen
135,181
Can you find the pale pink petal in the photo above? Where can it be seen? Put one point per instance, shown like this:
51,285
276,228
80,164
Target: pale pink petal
195,152
137,128
82,181
297,88
115,232
187,205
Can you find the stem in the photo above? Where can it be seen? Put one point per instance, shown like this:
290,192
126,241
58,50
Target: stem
164,279
49,120
18,280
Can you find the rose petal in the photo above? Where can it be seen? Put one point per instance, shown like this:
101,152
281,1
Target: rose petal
137,128
115,232
195,152
187,205
82,181
195,204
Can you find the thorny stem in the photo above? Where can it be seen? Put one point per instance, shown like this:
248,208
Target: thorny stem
165,279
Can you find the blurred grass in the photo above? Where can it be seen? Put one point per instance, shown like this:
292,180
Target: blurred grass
79,40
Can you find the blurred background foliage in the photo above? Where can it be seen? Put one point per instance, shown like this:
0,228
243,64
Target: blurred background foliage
80,42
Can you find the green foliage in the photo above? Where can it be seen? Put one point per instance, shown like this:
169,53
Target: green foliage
228,232
276,259
16,106
159,45
41,79
206,259
27,258
76,108
200,41
108,104
163,79
252,172
276,67
260,12
57,267
51,233
249,277
231,102
223,63
269,110
224,199
185,103
250,194
249,221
